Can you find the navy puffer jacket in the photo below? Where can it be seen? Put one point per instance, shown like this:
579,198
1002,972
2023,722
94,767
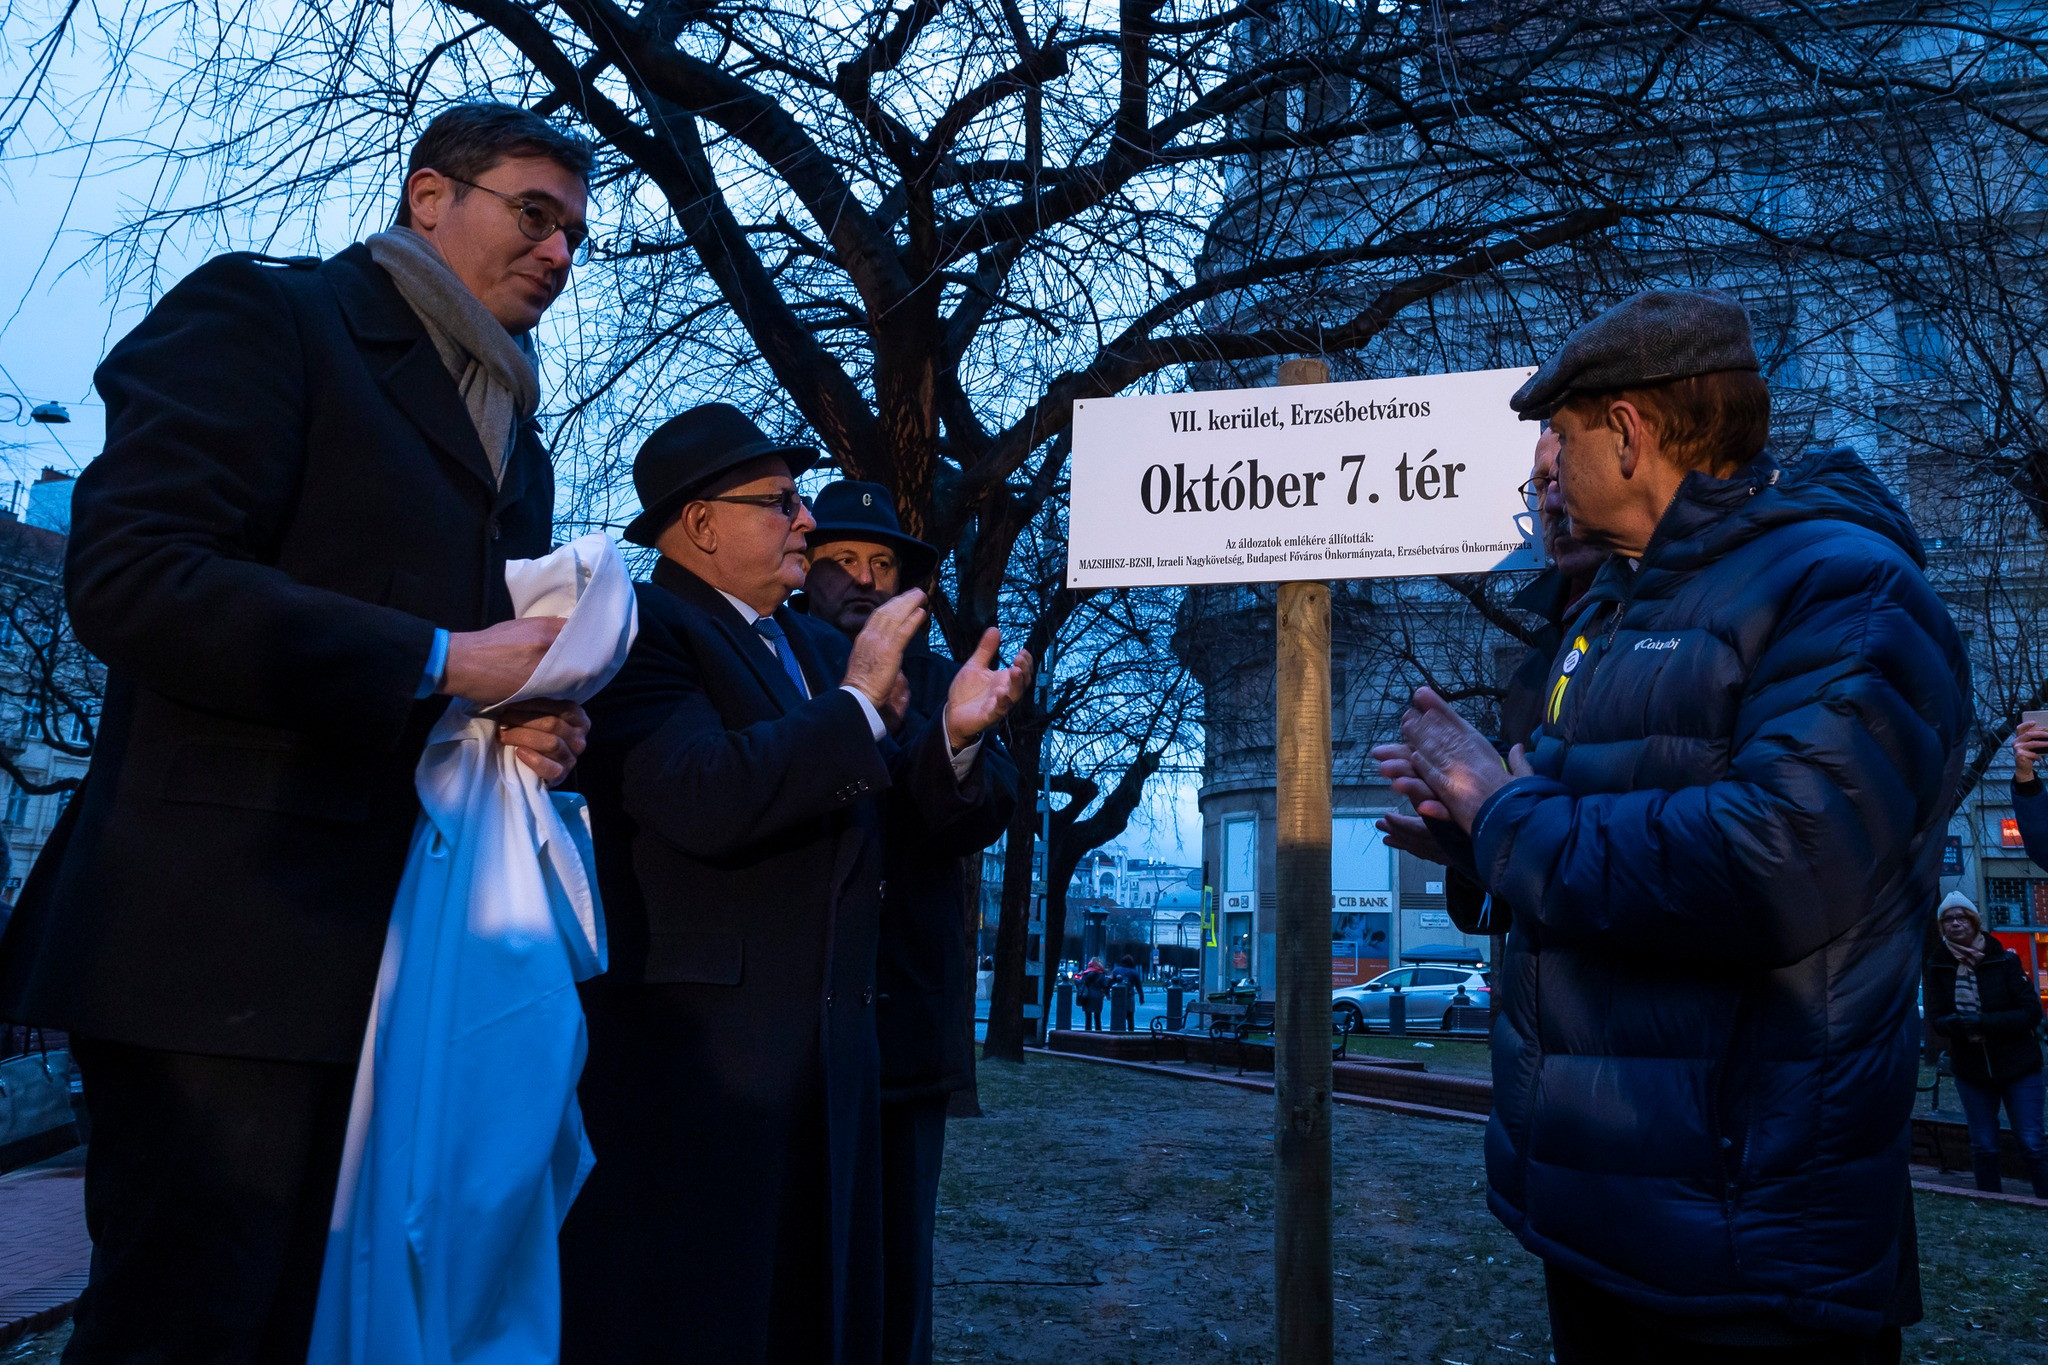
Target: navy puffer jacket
1720,878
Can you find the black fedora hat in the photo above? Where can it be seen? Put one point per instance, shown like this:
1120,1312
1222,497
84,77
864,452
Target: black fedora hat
688,451
851,510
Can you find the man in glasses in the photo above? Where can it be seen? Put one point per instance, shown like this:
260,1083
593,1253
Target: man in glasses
1721,849
1550,598
737,777
291,554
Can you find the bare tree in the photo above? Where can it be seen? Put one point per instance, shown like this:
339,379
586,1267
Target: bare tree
921,232
50,687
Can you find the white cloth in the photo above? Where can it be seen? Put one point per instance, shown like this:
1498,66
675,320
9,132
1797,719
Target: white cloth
465,1144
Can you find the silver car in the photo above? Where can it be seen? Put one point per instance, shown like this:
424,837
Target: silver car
1430,990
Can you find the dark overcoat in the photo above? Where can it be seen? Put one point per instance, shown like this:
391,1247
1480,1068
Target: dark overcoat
1721,873
291,498
732,1088
924,1008
2006,1044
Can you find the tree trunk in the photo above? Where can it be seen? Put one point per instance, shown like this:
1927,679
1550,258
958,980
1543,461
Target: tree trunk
1005,1037
1301,1022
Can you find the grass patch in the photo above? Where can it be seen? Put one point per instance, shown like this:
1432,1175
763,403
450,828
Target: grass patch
1136,1216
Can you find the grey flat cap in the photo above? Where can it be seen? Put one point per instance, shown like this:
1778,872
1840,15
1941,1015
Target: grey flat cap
1659,335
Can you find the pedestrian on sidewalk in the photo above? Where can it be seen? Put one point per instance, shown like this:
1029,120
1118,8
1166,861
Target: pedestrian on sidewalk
291,553
1979,998
1094,989
1719,852
1125,982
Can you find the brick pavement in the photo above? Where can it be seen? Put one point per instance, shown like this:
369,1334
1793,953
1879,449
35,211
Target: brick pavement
44,1251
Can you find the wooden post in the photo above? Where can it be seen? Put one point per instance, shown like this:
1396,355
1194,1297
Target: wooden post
1301,1026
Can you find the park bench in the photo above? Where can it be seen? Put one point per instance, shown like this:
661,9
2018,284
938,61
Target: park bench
1221,1019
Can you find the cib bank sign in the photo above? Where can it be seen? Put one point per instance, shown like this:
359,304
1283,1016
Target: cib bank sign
1374,479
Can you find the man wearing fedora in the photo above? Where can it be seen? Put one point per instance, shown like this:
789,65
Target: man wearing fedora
924,989
736,775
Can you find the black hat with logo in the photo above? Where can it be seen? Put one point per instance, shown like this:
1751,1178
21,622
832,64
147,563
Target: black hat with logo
850,510
685,454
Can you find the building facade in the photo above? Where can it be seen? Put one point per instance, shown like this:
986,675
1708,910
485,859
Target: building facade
49,687
1873,248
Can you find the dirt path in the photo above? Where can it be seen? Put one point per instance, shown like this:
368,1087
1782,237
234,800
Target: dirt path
1103,1216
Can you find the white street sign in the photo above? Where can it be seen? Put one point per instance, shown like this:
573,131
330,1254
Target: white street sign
1376,479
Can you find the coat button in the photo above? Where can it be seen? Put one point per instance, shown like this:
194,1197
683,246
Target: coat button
828,1000
867,998
495,528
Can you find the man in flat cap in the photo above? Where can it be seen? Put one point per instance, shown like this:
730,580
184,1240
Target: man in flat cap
738,774
1719,851
860,559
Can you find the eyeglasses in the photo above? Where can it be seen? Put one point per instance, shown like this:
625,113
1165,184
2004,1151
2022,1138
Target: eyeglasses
787,503
1532,490
538,219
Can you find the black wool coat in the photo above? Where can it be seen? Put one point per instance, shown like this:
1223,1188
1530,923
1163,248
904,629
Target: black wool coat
2007,1044
291,498
732,1089
924,1004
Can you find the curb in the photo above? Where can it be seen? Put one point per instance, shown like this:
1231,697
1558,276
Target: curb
28,1311
1429,1111
1407,1107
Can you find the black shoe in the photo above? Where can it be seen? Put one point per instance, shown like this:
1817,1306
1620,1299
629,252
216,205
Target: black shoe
1985,1167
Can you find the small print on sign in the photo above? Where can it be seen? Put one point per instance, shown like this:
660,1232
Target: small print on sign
1376,479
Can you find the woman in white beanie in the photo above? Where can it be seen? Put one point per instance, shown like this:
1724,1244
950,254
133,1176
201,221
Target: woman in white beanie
1979,998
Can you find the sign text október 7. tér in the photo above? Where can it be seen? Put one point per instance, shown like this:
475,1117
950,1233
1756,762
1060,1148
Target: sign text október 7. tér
1375,478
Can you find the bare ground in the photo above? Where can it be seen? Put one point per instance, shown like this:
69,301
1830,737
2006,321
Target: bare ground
1099,1215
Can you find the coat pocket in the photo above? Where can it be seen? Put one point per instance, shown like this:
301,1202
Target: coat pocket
281,779
695,958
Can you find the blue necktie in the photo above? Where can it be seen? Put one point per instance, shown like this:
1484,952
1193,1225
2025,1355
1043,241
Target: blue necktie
772,632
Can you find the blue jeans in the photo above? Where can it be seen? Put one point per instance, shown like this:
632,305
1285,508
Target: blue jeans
2022,1099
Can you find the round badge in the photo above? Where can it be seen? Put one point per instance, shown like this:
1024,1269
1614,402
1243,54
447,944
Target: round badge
1571,660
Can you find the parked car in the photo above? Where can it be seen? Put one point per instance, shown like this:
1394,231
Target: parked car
1188,978
1429,987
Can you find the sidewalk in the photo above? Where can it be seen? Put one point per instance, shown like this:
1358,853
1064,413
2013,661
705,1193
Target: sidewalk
45,1253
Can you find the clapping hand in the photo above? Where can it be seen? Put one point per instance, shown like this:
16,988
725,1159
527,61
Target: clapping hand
983,694
876,668
1411,834
1443,766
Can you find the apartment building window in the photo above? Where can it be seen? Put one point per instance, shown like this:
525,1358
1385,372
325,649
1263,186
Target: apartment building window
2012,902
1777,336
1923,350
17,806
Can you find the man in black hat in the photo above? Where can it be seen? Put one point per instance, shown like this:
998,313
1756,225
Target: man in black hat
735,774
1719,849
924,998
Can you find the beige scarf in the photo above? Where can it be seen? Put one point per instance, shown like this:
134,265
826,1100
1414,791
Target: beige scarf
493,369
